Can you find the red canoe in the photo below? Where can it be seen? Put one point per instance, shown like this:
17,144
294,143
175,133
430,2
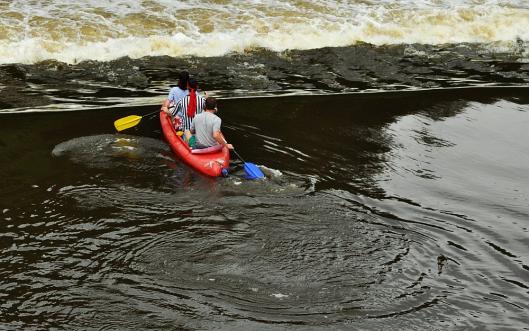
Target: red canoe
210,164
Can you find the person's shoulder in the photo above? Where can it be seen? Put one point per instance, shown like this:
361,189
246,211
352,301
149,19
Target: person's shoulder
179,91
201,114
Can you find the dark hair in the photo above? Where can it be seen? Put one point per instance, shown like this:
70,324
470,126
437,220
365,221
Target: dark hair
192,83
211,103
183,78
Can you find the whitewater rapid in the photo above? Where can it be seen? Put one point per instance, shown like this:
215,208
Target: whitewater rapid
33,31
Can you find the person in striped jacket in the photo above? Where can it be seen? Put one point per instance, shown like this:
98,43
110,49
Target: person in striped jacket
188,107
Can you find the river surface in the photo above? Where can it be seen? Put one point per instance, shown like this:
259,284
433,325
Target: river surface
393,136
389,210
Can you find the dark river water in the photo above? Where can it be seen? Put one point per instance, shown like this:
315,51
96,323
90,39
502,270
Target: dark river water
391,210
393,135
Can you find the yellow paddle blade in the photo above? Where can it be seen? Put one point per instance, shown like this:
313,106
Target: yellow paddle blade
127,122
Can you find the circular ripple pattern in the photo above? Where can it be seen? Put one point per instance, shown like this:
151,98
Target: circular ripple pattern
383,222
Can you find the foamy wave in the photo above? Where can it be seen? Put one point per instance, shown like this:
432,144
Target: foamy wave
71,33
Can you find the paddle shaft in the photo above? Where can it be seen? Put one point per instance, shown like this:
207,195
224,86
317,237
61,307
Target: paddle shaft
234,151
154,112
251,170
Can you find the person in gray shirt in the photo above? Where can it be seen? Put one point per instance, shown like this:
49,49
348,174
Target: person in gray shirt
206,127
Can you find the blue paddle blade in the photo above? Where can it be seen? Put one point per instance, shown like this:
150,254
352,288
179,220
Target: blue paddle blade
252,171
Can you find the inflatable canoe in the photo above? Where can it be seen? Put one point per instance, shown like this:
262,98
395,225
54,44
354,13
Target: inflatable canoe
212,164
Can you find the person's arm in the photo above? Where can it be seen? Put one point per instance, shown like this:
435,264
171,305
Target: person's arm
219,137
178,109
167,102
177,120
202,104
165,106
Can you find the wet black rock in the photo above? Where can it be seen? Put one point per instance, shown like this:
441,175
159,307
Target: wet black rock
357,68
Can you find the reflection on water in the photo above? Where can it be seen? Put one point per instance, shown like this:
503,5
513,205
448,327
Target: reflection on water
384,211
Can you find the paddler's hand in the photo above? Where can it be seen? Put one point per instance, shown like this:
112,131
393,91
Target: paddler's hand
230,146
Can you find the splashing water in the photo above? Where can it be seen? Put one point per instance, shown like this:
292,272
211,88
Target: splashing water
32,31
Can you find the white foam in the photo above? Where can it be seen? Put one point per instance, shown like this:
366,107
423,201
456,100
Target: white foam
271,172
279,295
92,30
